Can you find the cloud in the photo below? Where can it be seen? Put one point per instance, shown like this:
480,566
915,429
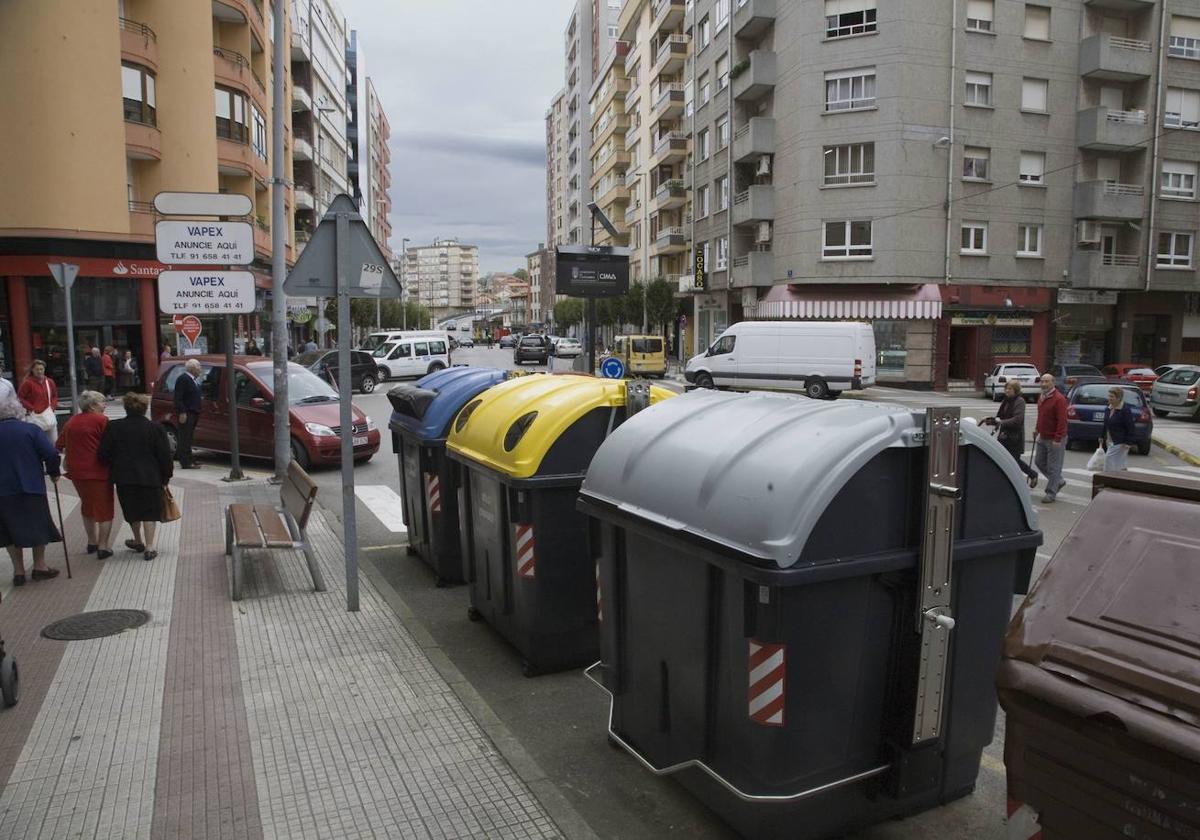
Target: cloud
508,150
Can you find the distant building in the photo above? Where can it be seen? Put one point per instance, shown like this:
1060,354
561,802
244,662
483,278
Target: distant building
443,276
368,132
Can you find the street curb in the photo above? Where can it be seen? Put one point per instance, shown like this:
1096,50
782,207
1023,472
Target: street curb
568,820
1181,454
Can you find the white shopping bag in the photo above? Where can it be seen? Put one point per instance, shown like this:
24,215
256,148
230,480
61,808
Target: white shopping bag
1096,462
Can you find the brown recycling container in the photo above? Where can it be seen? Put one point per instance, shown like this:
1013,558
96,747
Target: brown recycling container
1101,672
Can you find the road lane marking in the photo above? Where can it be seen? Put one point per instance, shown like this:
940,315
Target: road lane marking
385,503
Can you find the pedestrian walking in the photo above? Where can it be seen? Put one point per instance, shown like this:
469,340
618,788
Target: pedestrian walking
1010,428
25,520
188,404
310,346
1119,431
252,348
1051,437
39,395
108,367
93,370
80,441
127,372
138,455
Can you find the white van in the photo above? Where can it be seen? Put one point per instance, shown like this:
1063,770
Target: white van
407,354
820,358
376,339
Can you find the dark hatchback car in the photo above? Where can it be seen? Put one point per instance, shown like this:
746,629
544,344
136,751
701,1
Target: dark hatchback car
1085,414
532,348
364,372
507,341
1066,377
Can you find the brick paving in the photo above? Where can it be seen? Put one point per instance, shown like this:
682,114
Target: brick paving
282,716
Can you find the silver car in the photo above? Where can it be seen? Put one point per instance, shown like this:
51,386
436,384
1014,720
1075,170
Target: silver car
1176,390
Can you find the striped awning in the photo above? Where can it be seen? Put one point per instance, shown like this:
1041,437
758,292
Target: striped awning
888,303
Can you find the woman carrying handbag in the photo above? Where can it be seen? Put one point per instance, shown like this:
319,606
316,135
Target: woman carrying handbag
139,459
39,395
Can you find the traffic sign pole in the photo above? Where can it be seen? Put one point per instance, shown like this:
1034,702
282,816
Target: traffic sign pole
65,274
349,521
235,452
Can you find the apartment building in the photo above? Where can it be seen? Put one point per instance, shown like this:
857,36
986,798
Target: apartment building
443,277
540,266
556,169
149,97
1005,181
368,155
379,161
608,124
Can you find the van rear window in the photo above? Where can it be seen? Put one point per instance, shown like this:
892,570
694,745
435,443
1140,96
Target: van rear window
647,345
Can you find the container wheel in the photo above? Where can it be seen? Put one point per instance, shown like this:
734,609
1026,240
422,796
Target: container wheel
474,614
527,669
10,681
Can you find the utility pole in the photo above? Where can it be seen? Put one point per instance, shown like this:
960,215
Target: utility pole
279,359
404,281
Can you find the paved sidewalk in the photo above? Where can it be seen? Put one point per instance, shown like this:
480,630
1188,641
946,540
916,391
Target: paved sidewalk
280,716
1181,441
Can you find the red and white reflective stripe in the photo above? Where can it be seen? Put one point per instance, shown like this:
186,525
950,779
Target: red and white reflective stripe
433,490
766,671
599,603
525,556
1022,822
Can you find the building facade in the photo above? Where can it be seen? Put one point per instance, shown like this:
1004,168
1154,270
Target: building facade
556,170
154,97
443,277
379,159
368,154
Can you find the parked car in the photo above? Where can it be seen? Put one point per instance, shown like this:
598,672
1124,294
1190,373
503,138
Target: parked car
313,411
1162,370
1085,414
1067,376
364,373
407,355
996,381
532,348
567,348
1139,375
508,341
377,339
642,355
1177,390
819,358
466,341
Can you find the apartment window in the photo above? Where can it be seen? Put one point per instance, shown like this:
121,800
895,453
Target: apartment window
974,238
723,193
848,90
844,18
1185,38
612,32
723,72
721,10
1033,167
1178,179
1037,22
979,15
979,89
1034,93
722,254
1029,240
705,89
705,30
702,205
847,240
260,136
723,132
137,91
975,163
702,145
232,113
850,164
1182,108
704,253
1174,250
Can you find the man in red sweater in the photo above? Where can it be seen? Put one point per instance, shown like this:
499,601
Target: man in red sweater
1051,437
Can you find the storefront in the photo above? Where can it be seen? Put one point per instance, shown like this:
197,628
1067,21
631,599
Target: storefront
983,326
1083,327
712,317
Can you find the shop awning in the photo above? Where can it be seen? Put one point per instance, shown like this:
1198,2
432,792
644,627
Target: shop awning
832,302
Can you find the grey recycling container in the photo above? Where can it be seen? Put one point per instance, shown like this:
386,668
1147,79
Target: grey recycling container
802,603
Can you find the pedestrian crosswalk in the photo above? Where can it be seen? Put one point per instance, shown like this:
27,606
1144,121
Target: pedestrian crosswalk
385,504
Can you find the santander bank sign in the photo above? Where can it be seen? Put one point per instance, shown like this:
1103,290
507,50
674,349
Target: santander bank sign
133,269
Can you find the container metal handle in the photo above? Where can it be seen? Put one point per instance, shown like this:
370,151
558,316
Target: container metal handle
717,777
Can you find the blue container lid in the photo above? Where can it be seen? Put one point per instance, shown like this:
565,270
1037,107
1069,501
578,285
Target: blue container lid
454,387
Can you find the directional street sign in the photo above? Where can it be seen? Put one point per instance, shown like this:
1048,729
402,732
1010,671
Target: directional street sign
204,243
366,270
202,204
206,292
612,368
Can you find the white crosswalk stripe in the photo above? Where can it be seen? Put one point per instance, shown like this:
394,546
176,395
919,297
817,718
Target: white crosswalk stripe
385,503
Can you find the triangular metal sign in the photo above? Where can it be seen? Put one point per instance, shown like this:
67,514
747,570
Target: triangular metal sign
367,271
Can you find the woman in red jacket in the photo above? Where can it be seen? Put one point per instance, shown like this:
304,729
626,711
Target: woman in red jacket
39,395
108,365
80,439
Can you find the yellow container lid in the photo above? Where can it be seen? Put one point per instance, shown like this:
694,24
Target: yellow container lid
546,406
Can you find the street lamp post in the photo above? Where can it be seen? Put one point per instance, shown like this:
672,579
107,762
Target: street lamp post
403,283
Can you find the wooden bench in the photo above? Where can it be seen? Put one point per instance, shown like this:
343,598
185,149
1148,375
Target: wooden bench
266,527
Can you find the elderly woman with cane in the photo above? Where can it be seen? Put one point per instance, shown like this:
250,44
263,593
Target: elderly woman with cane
25,520
139,458
80,439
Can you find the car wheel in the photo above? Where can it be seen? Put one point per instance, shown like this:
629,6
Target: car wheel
172,438
1144,448
435,367
384,374
1158,412
367,385
300,455
816,389
704,380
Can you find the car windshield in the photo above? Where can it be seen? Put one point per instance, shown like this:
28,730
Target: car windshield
1139,372
381,352
1020,370
531,341
1181,376
373,341
1098,395
304,386
1081,370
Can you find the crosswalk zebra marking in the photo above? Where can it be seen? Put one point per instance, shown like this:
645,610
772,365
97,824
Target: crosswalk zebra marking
385,503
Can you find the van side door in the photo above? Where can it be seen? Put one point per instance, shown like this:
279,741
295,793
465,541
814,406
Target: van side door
757,359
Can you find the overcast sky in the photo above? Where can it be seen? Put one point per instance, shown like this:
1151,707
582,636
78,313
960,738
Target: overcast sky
465,85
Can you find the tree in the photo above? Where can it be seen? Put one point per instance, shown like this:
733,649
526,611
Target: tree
632,305
660,303
568,313
522,275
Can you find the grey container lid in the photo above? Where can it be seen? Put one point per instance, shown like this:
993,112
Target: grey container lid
754,472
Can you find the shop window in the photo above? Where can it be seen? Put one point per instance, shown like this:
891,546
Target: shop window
891,346
1011,341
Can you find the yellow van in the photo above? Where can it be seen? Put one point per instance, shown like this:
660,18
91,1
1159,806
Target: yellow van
642,355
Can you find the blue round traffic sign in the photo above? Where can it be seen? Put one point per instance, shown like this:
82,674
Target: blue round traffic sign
612,368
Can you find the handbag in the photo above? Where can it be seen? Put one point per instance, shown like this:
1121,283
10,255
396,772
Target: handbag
45,419
171,510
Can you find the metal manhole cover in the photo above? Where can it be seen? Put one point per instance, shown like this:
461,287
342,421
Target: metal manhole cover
94,625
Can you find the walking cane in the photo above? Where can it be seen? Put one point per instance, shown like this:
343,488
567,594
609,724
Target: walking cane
62,530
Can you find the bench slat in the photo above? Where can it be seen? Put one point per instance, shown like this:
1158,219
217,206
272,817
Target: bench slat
274,531
246,533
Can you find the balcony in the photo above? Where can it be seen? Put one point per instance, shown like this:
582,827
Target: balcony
304,197
753,17
632,213
611,192
668,14
1115,59
262,237
1096,270
1103,130
608,161
139,44
302,149
670,148
616,90
1109,200
668,103
233,69
756,204
753,140
756,78
671,56
670,240
142,219
755,269
608,127
301,98
142,142
670,194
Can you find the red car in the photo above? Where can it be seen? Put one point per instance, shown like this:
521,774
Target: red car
1139,375
313,414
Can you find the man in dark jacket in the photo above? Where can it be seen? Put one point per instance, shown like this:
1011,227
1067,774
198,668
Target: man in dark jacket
1051,437
187,406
